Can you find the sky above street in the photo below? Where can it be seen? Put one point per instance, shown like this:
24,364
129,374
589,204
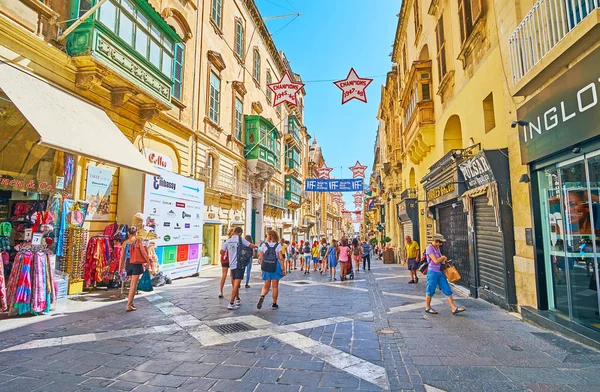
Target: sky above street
329,38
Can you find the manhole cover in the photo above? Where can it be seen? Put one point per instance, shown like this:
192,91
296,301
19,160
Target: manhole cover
515,348
233,328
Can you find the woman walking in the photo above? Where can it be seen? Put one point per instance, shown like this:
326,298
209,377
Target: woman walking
343,256
315,255
307,256
271,261
435,276
356,254
322,255
135,256
224,265
331,257
249,266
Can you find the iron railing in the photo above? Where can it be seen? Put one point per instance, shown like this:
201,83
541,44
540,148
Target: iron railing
223,183
544,26
274,200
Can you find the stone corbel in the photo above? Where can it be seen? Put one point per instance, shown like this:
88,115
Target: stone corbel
216,60
239,87
120,95
149,112
88,80
257,107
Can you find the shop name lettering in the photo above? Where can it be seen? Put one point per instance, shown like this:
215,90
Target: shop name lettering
587,98
440,191
21,184
160,182
157,160
477,167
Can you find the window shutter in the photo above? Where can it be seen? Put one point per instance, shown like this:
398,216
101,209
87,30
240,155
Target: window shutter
461,19
476,10
178,72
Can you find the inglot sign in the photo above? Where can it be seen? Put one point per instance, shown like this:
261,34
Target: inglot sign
564,113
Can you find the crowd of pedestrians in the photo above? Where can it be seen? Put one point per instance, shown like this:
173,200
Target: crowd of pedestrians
278,257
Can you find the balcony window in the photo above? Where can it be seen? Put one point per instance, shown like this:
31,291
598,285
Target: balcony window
239,114
256,71
441,48
239,39
133,27
263,135
215,98
177,92
216,13
269,81
84,6
293,158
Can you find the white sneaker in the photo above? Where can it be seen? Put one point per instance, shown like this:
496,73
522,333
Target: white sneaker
233,307
238,302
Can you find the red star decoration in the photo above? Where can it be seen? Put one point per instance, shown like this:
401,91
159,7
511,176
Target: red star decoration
285,90
353,87
358,170
358,194
324,171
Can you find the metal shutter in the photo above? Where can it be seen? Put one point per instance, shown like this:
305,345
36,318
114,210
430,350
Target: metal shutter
452,225
489,248
407,229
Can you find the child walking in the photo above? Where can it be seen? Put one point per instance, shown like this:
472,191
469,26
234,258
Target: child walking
331,257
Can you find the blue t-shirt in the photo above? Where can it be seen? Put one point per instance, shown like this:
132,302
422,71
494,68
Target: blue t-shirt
366,249
430,250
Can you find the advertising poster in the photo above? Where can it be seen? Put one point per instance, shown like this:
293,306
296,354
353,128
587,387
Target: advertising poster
176,205
97,192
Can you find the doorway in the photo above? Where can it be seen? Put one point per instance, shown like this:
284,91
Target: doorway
570,209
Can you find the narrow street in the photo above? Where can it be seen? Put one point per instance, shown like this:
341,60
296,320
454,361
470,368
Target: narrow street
367,334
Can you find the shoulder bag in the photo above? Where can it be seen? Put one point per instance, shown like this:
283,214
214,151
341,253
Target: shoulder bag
138,253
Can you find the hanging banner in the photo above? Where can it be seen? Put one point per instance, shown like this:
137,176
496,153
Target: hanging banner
324,172
174,205
98,189
329,185
353,87
358,170
285,91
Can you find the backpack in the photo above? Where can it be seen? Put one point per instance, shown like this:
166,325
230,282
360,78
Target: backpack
292,250
244,255
323,250
307,249
356,251
269,261
121,233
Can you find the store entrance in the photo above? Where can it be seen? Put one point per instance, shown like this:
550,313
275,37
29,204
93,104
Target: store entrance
570,211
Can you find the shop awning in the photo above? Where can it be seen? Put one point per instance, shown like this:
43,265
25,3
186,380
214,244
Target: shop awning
67,123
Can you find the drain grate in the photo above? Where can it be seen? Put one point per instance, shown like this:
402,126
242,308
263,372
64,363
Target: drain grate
233,328
515,348
302,282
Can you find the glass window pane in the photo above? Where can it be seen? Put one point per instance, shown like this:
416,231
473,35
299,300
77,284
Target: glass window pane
155,31
142,19
154,53
141,42
126,28
84,6
167,43
128,6
167,64
108,15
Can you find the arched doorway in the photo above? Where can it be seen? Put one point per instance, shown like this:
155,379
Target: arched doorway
453,134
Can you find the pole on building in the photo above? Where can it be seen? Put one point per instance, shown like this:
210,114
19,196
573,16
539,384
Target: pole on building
79,21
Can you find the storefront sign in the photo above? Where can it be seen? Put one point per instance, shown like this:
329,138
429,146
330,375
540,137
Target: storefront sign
157,159
25,185
564,113
97,192
476,171
176,203
328,185
441,190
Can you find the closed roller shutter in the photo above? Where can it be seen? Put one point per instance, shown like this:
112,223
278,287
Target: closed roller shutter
407,229
489,248
452,225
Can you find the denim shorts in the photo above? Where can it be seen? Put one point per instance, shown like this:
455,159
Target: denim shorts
307,258
435,279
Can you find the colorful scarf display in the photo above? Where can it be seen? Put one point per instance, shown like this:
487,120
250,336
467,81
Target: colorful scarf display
96,267
30,285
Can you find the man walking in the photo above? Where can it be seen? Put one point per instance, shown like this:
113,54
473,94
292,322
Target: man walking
366,248
231,246
411,252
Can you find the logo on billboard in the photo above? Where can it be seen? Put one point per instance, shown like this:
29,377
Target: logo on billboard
187,225
171,213
167,224
160,182
179,204
167,238
185,216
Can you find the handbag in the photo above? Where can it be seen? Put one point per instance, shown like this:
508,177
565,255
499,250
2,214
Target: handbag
451,274
145,283
138,253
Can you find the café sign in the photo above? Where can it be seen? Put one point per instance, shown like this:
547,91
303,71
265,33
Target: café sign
440,190
27,185
157,159
477,171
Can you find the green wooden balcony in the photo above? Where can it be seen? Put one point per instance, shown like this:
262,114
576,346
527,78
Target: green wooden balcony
262,141
293,189
293,131
128,47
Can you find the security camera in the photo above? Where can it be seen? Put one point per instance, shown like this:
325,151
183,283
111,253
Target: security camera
520,122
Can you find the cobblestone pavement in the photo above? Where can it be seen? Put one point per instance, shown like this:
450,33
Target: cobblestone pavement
369,334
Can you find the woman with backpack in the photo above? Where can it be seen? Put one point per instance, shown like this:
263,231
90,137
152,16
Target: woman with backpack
356,254
315,255
306,251
331,257
272,264
322,254
224,265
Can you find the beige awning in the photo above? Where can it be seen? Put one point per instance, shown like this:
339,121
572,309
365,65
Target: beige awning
67,123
